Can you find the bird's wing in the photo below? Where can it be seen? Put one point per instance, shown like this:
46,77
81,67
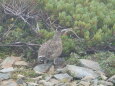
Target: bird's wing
55,49
43,49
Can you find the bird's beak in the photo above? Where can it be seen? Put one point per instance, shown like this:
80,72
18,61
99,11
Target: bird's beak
65,31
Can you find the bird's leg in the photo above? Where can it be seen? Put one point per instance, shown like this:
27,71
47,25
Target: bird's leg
54,61
45,61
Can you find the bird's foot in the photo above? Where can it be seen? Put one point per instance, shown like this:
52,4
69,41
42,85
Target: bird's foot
54,61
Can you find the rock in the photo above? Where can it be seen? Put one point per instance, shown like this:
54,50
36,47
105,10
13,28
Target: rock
63,77
88,78
102,75
105,83
9,83
94,82
90,64
61,70
20,81
80,72
20,76
37,78
51,70
101,85
31,84
44,83
48,77
74,83
10,69
42,68
84,83
112,79
21,63
54,81
4,76
9,61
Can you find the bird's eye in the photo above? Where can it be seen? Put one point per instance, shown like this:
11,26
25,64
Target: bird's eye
41,60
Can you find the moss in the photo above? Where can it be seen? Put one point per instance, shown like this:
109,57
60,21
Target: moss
27,72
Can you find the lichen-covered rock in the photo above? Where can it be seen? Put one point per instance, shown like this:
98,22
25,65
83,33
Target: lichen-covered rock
80,72
90,64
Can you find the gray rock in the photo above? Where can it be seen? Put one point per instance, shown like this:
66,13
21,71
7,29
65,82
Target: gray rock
112,79
54,81
9,83
20,81
4,76
90,64
45,83
5,70
42,68
63,77
80,72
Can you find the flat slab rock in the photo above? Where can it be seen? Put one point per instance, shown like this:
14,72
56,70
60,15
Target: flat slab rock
9,83
4,76
63,77
80,72
42,68
9,61
90,64
5,70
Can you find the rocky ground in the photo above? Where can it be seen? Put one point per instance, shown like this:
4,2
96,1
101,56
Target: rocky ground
16,72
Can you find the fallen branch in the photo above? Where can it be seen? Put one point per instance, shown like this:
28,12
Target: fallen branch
18,44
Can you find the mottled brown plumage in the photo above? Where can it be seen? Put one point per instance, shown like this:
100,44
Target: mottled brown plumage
51,49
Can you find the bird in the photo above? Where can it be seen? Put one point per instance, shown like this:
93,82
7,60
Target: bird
51,49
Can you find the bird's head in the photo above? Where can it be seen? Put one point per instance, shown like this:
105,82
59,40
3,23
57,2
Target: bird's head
41,59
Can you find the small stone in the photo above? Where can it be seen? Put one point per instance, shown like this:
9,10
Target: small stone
20,76
88,78
9,83
54,81
63,77
112,79
42,68
31,84
21,63
44,83
90,64
4,76
84,83
5,70
80,72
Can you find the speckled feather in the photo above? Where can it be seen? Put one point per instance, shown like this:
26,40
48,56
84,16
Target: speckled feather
52,48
